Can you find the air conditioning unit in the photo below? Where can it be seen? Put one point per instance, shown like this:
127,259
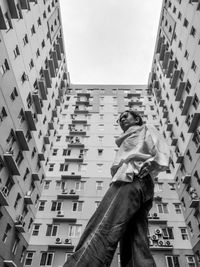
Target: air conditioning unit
158,231
155,215
154,237
29,193
60,213
149,215
64,191
72,173
150,242
68,241
58,240
72,192
168,244
5,191
160,243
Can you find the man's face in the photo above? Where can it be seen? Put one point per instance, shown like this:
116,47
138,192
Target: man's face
127,120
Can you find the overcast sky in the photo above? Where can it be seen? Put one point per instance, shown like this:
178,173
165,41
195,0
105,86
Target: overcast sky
110,41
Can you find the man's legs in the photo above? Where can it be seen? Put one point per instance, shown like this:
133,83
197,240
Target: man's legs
108,224
134,245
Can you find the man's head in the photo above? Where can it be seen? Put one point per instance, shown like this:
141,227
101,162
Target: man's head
129,118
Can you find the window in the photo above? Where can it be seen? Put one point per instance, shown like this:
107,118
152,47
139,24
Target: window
55,151
29,258
16,51
5,235
8,21
17,200
185,23
63,167
51,167
25,39
172,186
97,204
179,15
66,152
19,158
14,94
186,55
99,185
77,206
51,230
162,208
100,152
195,101
172,261
177,207
80,186
99,167
75,230
33,30
194,66
188,86
46,259
193,31
36,228
41,205
184,233
168,233
190,261
46,184
56,206
4,67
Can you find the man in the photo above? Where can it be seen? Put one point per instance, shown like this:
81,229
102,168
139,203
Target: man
122,214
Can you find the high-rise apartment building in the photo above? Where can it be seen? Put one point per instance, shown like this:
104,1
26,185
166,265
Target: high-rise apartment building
58,139
33,77
175,83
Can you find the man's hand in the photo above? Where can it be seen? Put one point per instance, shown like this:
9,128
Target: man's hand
146,168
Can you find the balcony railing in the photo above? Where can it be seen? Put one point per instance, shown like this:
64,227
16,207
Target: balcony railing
3,196
180,91
24,4
37,103
186,105
55,59
27,198
22,140
174,141
9,263
170,68
73,176
52,68
194,123
180,158
3,25
59,56
47,78
30,120
186,179
68,194
19,224
11,163
13,9
175,78
166,59
35,177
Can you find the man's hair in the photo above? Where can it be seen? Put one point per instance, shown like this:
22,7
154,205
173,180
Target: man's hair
135,115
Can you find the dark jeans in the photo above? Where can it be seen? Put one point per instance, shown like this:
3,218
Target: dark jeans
121,216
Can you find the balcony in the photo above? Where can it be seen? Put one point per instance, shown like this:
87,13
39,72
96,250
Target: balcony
3,25
162,52
174,79
170,68
159,43
77,159
59,56
79,121
62,243
174,141
194,123
19,224
158,244
169,126
9,263
80,111
52,69
76,144
54,113
180,91
47,78
27,198
71,176
35,177
55,59
3,196
46,140
60,41
194,203
11,163
12,9
43,89
51,125
186,105
77,132
41,157
162,102
83,94
186,179
166,59
30,120
59,219
68,195
24,4
180,158
135,102
37,103
22,140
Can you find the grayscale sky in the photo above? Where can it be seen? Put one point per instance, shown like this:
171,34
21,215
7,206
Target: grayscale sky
110,41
